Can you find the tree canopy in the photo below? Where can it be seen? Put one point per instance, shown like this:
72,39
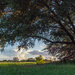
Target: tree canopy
15,59
24,21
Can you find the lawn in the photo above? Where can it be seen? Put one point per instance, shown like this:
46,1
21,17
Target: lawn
28,69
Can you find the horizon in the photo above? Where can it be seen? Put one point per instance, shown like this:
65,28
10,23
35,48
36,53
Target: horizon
12,51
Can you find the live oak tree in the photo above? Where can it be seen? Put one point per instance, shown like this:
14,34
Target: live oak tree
24,21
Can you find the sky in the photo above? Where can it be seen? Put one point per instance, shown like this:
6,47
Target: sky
12,51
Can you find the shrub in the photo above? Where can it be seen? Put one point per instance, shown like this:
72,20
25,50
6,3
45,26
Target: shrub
39,60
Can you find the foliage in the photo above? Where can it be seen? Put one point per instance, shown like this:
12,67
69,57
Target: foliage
23,60
68,61
30,60
4,60
62,52
39,60
51,21
15,59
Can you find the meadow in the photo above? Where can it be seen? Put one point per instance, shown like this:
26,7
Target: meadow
31,68
17,63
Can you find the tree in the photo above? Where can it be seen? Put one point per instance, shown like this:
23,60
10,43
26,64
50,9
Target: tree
62,52
15,59
51,21
39,60
4,60
30,60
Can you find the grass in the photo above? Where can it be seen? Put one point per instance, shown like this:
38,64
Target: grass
17,63
46,69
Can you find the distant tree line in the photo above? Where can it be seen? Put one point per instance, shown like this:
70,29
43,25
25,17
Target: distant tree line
38,59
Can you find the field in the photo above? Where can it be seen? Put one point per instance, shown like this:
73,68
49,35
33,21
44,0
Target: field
17,63
30,68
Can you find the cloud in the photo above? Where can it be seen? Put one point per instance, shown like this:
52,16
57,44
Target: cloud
21,54
38,52
44,46
3,57
8,54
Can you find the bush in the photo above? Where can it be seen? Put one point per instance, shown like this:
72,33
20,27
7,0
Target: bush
71,61
68,61
39,60
30,60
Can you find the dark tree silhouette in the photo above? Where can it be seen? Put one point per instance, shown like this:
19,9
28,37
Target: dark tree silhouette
51,21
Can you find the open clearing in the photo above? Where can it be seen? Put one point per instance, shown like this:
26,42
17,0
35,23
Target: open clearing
22,68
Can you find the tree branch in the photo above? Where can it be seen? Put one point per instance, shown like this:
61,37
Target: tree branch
59,22
71,23
50,40
57,2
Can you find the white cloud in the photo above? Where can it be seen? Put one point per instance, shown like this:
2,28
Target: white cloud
9,54
44,46
21,54
3,57
39,52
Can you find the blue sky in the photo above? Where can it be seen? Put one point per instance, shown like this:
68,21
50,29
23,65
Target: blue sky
12,51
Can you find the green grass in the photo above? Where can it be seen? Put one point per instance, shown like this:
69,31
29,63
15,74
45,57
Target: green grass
17,63
47,69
